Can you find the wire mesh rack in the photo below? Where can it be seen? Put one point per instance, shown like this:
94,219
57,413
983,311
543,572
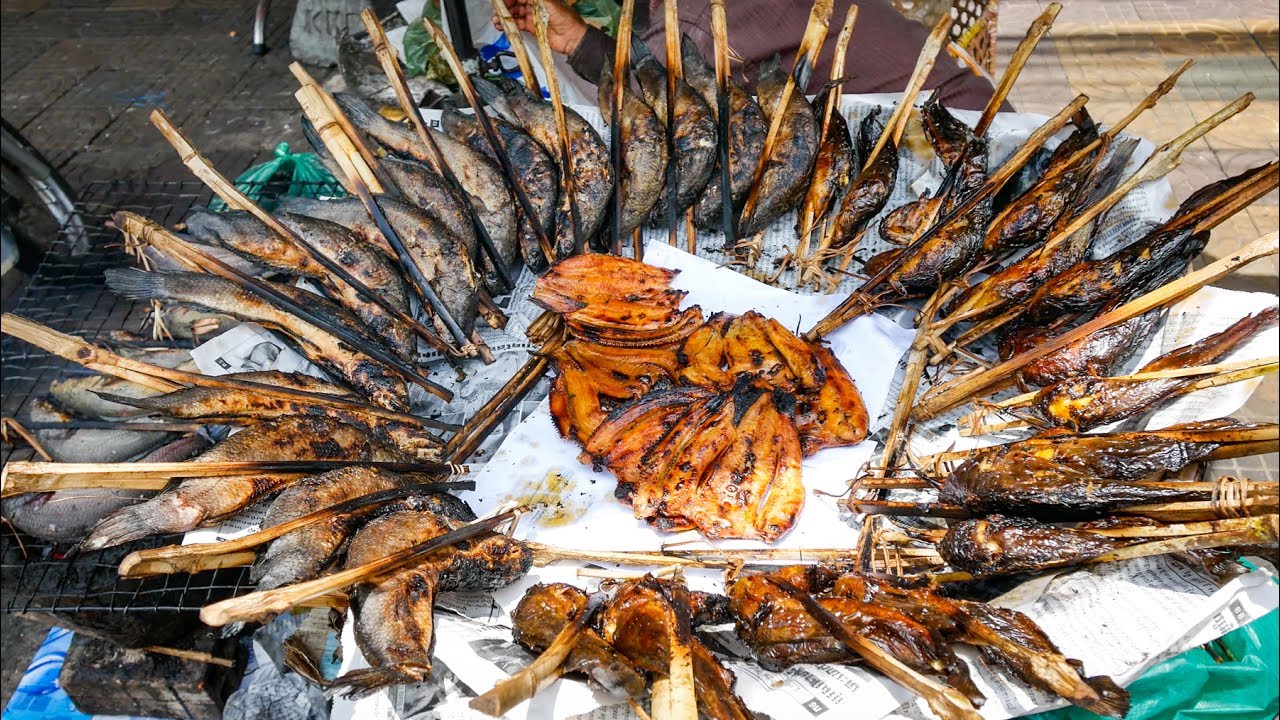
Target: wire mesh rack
67,293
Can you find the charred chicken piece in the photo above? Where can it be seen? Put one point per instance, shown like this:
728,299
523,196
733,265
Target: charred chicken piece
394,614
999,545
1084,403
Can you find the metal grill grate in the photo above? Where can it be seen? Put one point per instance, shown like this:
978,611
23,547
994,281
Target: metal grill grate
67,293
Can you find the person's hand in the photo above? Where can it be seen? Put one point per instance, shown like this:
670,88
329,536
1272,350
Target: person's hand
565,27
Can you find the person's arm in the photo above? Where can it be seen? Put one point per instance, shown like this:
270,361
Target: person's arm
587,48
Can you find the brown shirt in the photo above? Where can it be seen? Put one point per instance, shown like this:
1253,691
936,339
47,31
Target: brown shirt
882,51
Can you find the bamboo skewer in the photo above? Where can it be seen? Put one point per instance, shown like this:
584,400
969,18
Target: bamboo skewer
240,551
562,126
720,38
1223,373
20,477
543,671
315,110
617,143
141,229
371,170
266,604
495,145
1039,27
673,696
391,68
897,122
860,301
943,397
517,45
671,37
832,106
168,380
237,200
943,700
1173,539
806,55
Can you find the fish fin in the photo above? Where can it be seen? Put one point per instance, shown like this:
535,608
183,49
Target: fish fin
1113,700
358,110
640,53
493,96
358,683
136,284
144,403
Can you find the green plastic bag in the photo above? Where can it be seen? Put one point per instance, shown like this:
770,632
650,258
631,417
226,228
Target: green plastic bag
285,175
1194,686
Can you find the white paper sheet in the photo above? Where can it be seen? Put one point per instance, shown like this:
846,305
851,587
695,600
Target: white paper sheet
535,464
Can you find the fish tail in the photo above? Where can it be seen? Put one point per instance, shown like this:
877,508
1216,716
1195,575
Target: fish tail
690,54
360,113
137,284
313,138
493,96
358,683
1112,700
136,522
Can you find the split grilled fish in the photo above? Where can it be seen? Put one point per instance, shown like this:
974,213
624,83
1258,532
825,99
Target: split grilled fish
536,169
870,189
747,130
443,257
379,383
245,234
592,170
694,140
214,404
67,515
644,152
479,176
201,501
1084,403
786,174
394,615
302,554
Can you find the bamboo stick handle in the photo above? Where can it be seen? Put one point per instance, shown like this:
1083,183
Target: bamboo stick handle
897,121
1039,27
562,125
265,604
517,45
946,396
352,133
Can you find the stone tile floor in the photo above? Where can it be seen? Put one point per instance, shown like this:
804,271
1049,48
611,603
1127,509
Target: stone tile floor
79,78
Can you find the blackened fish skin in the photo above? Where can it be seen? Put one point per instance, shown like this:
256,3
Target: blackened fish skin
870,190
644,152
694,140
786,174
198,501
747,130
537,170
592,170
376,381
442,256
369,265
481,177
833,168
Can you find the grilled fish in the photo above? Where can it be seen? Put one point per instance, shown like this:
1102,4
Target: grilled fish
90,444
370,377
592,171
67,515
214,404
246,235
833,168
870,190
443,257
999,545
644,152
479,176
305,552
537,171
394,623
747,130
201,501
694,132
783,182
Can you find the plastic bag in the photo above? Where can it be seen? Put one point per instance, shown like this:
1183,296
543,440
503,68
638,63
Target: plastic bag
285,175
1195,686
